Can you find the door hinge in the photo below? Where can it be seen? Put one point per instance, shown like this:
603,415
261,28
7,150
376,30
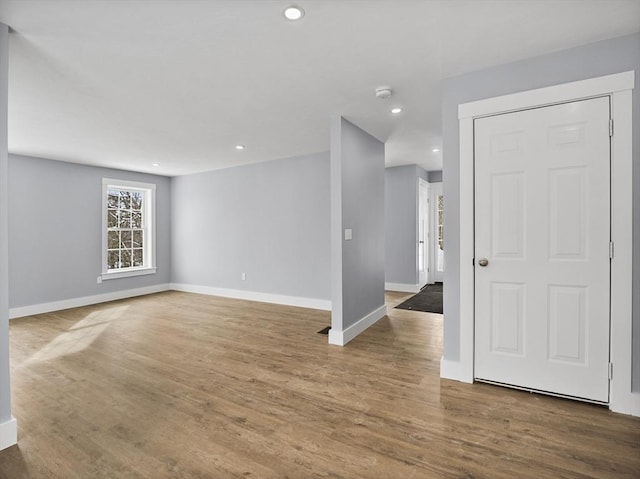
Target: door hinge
610,371
473,261
610,249
611,127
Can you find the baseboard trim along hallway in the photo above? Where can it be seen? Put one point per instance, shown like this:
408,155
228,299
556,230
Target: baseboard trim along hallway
8,433
301,302
312,303
340,338
402,287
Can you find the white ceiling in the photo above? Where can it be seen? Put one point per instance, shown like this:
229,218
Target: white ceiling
180,82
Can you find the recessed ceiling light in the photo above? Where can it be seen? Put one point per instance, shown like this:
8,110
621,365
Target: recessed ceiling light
396,110
436,150
155,164
239,147
293,13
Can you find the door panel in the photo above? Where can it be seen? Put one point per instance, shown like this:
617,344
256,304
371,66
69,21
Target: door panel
423,232
567,323
507,215
542,221
507,318
567,213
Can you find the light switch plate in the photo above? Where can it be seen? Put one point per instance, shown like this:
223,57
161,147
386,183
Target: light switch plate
348,234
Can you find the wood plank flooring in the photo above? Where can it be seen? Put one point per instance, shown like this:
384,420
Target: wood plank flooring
178,385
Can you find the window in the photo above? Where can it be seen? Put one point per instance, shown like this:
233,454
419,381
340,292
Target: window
128,231
441,222
440,232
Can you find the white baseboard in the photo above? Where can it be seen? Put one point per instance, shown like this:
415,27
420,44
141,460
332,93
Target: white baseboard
341,338
453,370
130,293
634,409
402,287
312,303
8,433
84,301
627,404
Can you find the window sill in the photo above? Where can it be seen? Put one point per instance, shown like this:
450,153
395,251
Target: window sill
128,273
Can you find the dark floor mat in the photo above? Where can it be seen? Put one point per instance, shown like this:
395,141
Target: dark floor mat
428,300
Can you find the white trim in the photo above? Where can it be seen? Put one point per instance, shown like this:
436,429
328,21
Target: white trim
619,86
301,302
621,398
128,184
84,301
340,338
466,307
8,433
149,224
452,370
126,273
402,287
604,85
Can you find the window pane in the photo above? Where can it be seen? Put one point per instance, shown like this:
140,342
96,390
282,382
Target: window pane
112,219
137,239
136,200
137,257
113,240
112,199
125,219
136,219
113,259
125,258
125,200
125,239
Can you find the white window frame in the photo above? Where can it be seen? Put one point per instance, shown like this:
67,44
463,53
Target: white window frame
149,222
435,191
619,87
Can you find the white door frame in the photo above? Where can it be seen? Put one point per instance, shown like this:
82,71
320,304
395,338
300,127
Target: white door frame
424,189
619,87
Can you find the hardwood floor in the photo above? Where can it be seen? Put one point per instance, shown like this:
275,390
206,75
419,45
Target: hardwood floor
188,386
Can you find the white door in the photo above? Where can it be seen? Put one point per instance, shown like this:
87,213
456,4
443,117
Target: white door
542,223
423,232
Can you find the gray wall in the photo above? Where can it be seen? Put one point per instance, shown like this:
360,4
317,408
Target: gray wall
401,217
268,220
402,196
62,203
5,390
357,202
435,176
597,59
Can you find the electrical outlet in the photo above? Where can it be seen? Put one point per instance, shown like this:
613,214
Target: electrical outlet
244,276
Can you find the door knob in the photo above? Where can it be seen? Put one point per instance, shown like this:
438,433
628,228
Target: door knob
483,262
